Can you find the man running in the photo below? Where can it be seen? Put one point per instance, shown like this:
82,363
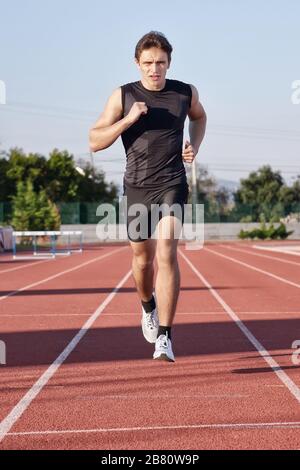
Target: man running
149,115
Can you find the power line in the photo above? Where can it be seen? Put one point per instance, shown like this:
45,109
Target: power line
229,127
7,108
215,129
121,157
19,104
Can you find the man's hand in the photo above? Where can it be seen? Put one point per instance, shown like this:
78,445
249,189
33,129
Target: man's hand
188,153
137,109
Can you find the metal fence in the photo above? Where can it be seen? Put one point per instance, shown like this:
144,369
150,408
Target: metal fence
5,212
75,213
70,213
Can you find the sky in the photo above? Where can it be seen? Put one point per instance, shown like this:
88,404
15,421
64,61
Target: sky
61,60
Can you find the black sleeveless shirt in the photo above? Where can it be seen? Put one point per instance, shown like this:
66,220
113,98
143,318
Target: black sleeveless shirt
154,143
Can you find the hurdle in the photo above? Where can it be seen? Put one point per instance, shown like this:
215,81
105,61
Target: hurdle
54,248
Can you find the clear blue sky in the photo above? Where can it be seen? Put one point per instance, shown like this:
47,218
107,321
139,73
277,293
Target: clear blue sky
61,60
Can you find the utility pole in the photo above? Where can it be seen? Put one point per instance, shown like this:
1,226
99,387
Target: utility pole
93,165
194,191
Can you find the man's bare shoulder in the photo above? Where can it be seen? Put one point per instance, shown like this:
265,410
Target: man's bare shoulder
113,110
196,110
194,90
116,96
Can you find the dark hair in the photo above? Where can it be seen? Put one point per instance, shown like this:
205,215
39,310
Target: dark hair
153,39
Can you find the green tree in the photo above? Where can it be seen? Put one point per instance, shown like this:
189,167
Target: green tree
66,184
92,186
57,175
22,167
260,194
223,197
290,197
6,185
216,200
33,210
62,177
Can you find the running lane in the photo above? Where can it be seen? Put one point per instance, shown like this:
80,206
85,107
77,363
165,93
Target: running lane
35,275
220,393
39,323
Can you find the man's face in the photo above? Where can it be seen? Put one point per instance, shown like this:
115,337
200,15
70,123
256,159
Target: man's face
153,65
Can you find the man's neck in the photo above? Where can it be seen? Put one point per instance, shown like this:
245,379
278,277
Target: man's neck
148,87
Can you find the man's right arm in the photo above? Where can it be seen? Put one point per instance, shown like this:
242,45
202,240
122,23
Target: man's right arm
111,125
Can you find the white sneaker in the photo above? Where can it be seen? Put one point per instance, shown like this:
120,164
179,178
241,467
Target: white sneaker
150,325
163,349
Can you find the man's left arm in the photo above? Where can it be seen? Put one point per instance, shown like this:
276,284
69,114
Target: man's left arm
197,127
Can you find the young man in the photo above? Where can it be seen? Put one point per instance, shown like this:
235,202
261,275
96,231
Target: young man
149,115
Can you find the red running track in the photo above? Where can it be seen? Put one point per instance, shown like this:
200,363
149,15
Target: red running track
233,386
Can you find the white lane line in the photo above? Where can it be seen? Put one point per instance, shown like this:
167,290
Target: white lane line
285,379
123,314
284,425
295,250
249,266
297,312
274,258
132,314
25,402
86,263
42,315
23,267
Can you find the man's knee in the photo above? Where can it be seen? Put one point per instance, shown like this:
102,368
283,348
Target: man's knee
143,262
143,255
166,256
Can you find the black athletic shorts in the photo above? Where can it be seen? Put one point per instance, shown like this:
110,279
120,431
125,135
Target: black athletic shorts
152,211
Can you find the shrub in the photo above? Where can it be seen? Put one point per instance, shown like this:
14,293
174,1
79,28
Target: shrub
33,210
264,232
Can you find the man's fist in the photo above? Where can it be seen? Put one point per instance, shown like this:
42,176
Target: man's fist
137,109
188,153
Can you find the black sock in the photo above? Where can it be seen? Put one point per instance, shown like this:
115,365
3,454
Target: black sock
162,330
150,305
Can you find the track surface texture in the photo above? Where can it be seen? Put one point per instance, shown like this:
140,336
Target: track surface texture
79,375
